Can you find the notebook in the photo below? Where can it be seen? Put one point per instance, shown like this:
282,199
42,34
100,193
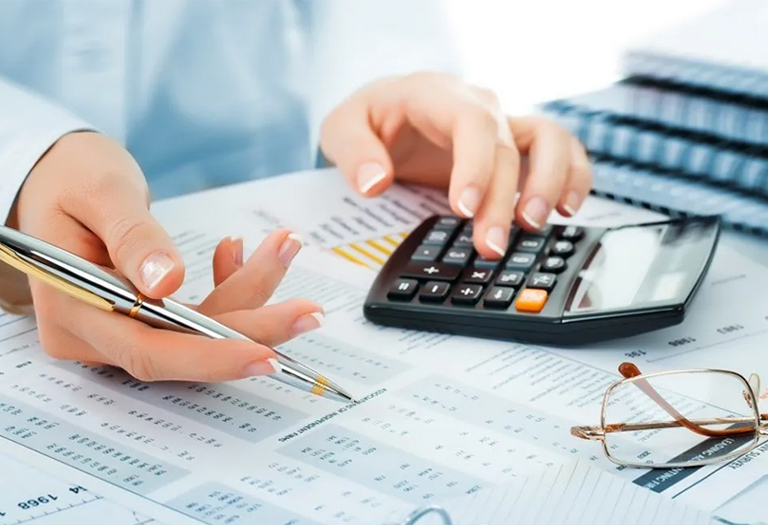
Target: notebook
738,166
573,494
724,49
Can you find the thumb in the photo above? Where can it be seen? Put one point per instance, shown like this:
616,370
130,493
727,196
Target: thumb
349,142
138,246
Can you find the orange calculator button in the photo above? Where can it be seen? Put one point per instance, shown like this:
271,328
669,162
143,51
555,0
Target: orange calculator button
531,300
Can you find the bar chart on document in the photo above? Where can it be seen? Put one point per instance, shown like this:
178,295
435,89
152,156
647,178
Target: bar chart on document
360,230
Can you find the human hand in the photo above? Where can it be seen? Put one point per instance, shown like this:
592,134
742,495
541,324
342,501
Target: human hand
88,196
430,128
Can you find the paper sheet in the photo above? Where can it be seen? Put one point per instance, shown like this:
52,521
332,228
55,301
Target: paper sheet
441,416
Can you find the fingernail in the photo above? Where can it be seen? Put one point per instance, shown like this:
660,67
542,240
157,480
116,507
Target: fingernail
572,202
308,322
237,250
535,212
496,240
369,175
290,247
264,368
469,201
154,269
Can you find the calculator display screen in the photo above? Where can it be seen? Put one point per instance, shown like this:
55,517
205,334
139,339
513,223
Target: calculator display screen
630,267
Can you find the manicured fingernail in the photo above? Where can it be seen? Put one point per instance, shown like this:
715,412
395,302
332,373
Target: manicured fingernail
535,212
369,175
263,368
496,240
237,250
572,202
308,322
290,247
154,269
469,201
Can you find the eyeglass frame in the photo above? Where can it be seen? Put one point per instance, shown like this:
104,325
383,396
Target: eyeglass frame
632,375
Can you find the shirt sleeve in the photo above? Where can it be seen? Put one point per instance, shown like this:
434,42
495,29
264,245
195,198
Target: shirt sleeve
29,126
354,43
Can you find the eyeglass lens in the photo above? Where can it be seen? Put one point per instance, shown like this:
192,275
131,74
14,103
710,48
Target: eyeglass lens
680,419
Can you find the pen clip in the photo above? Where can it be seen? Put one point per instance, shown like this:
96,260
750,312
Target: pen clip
13,260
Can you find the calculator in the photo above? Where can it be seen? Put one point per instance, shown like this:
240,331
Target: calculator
564,285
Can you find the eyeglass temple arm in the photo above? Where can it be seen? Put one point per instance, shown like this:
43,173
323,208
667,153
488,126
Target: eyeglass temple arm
629,370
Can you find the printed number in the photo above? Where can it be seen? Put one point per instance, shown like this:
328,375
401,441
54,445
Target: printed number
730,328
681,342
2,514
77,490
635,353
42,500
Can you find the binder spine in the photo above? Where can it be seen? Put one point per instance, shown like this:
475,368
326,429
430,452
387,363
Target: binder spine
672,152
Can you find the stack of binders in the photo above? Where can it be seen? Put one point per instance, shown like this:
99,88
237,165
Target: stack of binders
686,131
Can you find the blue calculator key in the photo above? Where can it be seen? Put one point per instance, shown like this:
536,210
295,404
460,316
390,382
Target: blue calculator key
438,237
521,260
463,241
459,256
426,253
486,263
531,243
447,223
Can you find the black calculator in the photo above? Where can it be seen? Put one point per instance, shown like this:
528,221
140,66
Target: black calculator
563,285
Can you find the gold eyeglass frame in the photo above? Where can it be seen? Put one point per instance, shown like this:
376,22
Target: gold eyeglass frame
631,373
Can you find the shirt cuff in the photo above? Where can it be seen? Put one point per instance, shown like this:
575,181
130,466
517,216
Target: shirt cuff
20,152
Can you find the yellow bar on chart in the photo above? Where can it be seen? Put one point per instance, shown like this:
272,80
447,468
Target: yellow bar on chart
349,257
391,240
365,252
376,244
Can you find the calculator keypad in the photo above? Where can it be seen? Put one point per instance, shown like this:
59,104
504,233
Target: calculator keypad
446,269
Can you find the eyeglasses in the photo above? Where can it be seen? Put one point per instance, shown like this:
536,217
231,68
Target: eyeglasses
679,419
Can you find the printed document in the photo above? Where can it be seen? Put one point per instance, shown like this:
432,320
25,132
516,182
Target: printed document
441,417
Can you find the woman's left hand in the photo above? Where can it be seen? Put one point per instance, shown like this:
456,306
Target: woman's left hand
434,129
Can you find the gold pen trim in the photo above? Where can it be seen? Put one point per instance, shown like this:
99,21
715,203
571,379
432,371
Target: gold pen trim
136,306
13,260
320,386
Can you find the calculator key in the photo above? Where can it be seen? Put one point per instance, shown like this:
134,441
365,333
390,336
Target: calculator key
478,275
531,243
562,248
433,271
542,281
403,289
572,233
437,237
521,260
434,291
469,228
467,293
463,241
499,297
486,263
457,256
447,223
510,278
553,264
426,253
531,300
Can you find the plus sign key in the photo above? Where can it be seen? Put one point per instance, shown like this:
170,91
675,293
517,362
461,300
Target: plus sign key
431,271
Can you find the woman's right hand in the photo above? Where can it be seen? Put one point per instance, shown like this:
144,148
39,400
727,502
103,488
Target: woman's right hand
87,195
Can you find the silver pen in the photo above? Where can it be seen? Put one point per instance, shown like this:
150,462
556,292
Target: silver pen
101,288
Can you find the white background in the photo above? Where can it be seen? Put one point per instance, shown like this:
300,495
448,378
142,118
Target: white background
535,50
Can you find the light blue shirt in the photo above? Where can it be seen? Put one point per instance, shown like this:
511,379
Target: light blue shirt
201,92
